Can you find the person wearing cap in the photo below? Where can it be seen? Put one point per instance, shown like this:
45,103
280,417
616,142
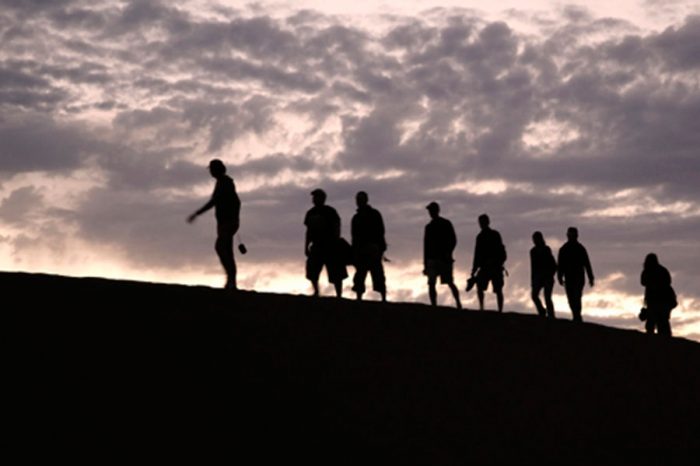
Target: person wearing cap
489,257
439,242
368,246
573,263
227,206
321,244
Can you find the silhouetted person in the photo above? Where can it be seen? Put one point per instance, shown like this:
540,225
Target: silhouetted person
489,257
542,270
659,296
573,264
439,241
321,245
228,210
368,246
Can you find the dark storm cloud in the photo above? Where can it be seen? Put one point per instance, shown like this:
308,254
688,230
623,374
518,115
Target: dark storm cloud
565,121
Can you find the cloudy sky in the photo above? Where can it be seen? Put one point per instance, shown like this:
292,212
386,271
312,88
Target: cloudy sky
542,114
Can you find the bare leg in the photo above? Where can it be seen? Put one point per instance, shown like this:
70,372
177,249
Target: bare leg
480,295
432,292
535,295
338,289
224,249
455,293
315,285
499,300
548,300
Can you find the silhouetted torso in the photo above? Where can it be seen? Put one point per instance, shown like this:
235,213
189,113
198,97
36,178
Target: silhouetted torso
657,283
489,251
574,263
542,264
323,223
439,240
226,202
368,228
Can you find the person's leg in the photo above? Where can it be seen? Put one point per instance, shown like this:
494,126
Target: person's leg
455,294
378,278
535,295
497,285
482,282
224,249
574,293
432,292
338,289
337,272
663,324
650,323
359,280
314,264
548,287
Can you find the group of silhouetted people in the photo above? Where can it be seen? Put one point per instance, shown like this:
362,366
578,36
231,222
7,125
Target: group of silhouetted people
324,247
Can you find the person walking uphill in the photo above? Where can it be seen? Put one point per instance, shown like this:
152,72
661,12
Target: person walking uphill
368,246
573,263
321,244
543,267
659,296
489,257
439,242
228,210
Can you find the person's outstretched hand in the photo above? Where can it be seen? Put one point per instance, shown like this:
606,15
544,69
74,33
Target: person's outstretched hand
191,218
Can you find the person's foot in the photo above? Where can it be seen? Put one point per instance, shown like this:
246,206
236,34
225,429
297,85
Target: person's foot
231,286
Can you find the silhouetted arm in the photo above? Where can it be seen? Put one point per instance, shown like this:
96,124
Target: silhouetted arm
589,269
561,259
477,259
425,250
307,238
202,209
451,238
336,230
381,231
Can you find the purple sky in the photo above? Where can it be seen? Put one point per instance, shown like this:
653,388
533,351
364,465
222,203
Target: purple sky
544,116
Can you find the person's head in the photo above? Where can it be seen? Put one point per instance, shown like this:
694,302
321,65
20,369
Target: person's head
217,168
484,221
572,234
433,209
651,260
318,197
538,239
362,199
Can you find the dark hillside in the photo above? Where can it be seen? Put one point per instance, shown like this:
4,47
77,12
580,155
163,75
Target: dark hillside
342,382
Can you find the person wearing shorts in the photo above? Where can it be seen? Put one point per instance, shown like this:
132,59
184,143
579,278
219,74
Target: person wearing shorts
439,242
322,244
489,257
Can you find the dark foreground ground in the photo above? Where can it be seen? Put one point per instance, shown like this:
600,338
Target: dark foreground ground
336,382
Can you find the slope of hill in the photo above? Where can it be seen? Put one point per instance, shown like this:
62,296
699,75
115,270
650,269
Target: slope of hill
344,382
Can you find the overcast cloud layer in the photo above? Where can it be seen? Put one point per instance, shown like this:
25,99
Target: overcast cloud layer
110,113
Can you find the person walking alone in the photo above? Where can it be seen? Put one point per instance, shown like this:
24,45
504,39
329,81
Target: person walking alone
227,207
